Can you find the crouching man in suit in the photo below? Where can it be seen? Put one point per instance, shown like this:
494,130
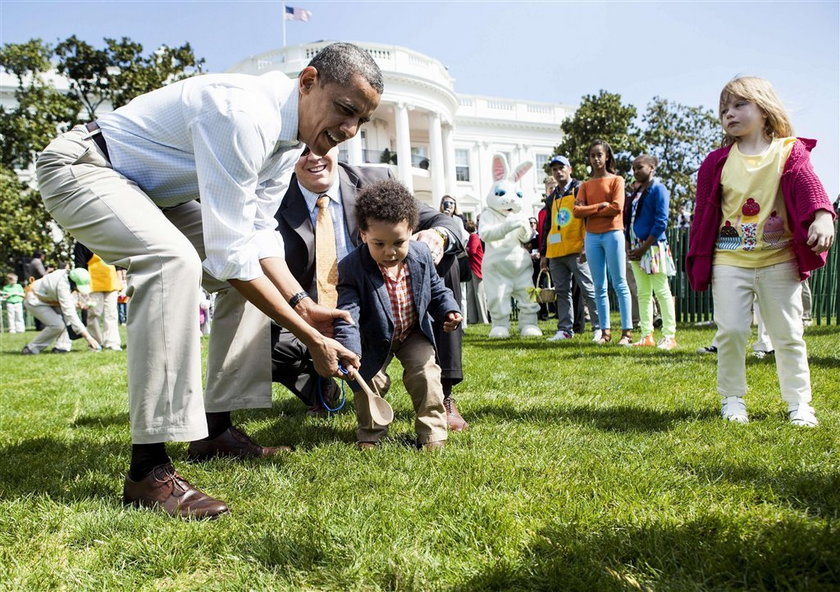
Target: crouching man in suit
317,223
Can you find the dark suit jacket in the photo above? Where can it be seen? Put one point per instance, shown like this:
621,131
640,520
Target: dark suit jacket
362,292
295,227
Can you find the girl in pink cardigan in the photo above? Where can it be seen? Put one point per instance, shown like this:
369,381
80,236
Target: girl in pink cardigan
762,222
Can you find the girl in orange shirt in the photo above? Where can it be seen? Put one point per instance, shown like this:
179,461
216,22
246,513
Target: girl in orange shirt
600,201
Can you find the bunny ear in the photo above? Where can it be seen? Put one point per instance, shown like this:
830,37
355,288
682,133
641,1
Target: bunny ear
499,167
521,170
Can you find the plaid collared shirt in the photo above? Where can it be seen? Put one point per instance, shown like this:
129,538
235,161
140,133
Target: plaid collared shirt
402,302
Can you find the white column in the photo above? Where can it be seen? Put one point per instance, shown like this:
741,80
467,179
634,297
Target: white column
520,155
484,178
404,147
354,150
449,159
436,156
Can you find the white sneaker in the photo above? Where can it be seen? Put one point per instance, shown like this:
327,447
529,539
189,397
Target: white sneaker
596,335
802,415
667,343
560,335
734,409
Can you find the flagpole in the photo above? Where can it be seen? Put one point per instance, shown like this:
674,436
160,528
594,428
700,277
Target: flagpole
283,4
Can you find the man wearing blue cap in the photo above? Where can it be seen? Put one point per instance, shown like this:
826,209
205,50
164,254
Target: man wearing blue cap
562,250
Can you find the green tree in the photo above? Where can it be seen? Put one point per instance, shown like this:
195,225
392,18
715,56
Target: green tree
98,78
25,225
680,137
41,110
600,117
119,72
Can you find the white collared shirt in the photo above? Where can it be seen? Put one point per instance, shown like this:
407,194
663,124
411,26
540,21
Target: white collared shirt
342,235
228,139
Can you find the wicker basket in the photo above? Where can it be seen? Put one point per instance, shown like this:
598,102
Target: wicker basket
543,295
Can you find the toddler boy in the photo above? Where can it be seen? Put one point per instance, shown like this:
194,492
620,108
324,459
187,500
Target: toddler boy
393,293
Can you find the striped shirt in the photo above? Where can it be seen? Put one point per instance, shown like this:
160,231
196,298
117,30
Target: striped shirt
402,301
230,139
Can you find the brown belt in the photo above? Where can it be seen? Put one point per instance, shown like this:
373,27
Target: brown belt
96,136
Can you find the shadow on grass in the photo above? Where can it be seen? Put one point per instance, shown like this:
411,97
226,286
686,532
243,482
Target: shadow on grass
622,418
67,470
822,330
817,493
708,553
824,361
101,421
297,430
90,465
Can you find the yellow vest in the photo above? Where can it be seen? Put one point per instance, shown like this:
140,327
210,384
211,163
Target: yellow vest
565,232
103,277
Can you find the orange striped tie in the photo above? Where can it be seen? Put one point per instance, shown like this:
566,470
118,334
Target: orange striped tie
326,260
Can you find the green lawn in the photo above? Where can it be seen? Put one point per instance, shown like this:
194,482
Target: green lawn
586,468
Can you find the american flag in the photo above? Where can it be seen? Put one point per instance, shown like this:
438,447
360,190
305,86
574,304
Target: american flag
296,14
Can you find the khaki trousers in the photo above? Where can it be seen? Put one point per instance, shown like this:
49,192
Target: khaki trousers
421,378
162,253
54,329
102,319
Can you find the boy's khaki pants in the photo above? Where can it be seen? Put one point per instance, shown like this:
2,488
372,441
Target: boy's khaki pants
421,378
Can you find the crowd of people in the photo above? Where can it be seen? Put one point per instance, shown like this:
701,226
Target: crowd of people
323,271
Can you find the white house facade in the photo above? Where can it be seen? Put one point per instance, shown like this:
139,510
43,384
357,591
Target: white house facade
437,141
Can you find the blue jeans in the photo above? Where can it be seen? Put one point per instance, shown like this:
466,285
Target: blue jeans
606,252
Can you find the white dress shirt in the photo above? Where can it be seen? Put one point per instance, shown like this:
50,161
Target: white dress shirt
228,139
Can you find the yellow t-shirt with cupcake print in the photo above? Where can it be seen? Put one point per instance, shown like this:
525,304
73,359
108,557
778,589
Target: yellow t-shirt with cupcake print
754,230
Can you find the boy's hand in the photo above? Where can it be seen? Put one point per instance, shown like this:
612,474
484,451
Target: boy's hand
453,319
821,232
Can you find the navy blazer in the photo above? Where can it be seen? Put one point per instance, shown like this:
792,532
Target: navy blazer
362,292
651,213
295,226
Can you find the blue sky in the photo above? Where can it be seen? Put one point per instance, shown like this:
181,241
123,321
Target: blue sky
546,51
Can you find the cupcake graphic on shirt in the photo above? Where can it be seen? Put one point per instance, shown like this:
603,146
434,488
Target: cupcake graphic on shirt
774,230
749,223
728,239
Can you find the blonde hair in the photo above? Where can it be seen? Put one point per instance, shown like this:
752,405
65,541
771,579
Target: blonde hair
759,91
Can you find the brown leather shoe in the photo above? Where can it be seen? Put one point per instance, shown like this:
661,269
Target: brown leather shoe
232,443
454,420
165,489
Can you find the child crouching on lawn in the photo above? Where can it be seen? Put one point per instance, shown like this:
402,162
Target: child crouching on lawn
393,293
